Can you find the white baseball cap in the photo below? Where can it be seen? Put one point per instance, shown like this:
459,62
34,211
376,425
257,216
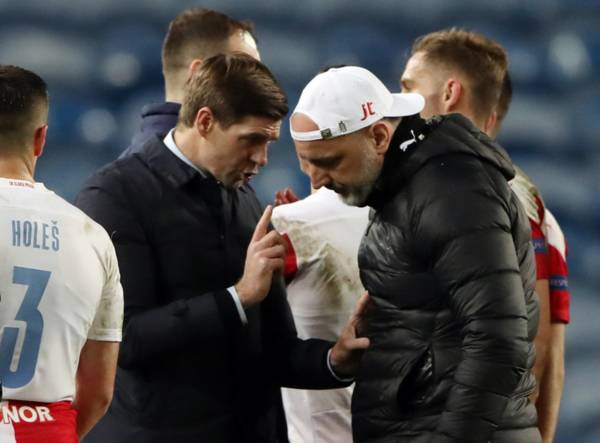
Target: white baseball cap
343,100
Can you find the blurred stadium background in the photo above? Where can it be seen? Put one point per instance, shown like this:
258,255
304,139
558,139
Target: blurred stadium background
101,59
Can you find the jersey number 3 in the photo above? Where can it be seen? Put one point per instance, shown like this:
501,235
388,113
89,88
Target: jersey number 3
20,344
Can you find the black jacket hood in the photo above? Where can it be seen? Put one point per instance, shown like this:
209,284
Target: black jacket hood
416,142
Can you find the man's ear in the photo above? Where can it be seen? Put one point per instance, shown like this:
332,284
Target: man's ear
381,133
452,95
204,121
193,67
39,140
489,126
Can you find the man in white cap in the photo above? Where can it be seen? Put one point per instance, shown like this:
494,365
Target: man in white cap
446,259
323,285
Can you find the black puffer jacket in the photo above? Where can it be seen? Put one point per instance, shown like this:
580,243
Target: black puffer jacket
448,262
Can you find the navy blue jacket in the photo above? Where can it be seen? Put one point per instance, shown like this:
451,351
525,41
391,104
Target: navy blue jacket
157,119
189,370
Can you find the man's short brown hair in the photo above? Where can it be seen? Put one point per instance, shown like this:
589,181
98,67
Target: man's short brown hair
23,105
480,59
233,86
198,33
505,98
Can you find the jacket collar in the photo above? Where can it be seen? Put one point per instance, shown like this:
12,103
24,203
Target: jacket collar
157,118
168,111
417,141
406,138
161,160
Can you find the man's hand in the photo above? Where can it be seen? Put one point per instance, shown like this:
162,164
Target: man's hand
346,353
266,253
285,196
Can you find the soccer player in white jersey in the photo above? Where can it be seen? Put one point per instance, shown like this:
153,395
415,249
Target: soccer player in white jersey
321,270
61,302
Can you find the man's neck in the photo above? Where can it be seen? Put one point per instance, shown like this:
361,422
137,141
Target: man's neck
173,98
479,123
16,168
174,91
186,141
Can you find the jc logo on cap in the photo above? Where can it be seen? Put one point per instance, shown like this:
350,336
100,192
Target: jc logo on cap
367,109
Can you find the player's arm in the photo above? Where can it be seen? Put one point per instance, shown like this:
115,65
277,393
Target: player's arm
552,382
543,339
549,365
548,401
542,288
94,383
98,358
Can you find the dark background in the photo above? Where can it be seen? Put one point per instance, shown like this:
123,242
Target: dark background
101,59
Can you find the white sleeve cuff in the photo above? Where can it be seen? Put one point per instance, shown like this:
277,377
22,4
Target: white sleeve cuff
337,377
238,304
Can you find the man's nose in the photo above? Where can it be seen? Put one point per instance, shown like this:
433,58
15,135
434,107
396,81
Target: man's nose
259,155
319,178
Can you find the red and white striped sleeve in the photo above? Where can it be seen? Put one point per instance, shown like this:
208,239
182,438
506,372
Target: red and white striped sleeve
530,199
558,270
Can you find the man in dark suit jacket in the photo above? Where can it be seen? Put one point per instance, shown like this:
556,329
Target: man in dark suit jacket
208,334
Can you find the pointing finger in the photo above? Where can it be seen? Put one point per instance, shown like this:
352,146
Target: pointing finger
263,224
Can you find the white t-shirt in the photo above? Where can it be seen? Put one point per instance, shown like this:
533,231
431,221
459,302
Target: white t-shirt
325,234
59,286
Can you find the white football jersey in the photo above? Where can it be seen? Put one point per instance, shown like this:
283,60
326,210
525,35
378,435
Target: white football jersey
59,286
325,234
